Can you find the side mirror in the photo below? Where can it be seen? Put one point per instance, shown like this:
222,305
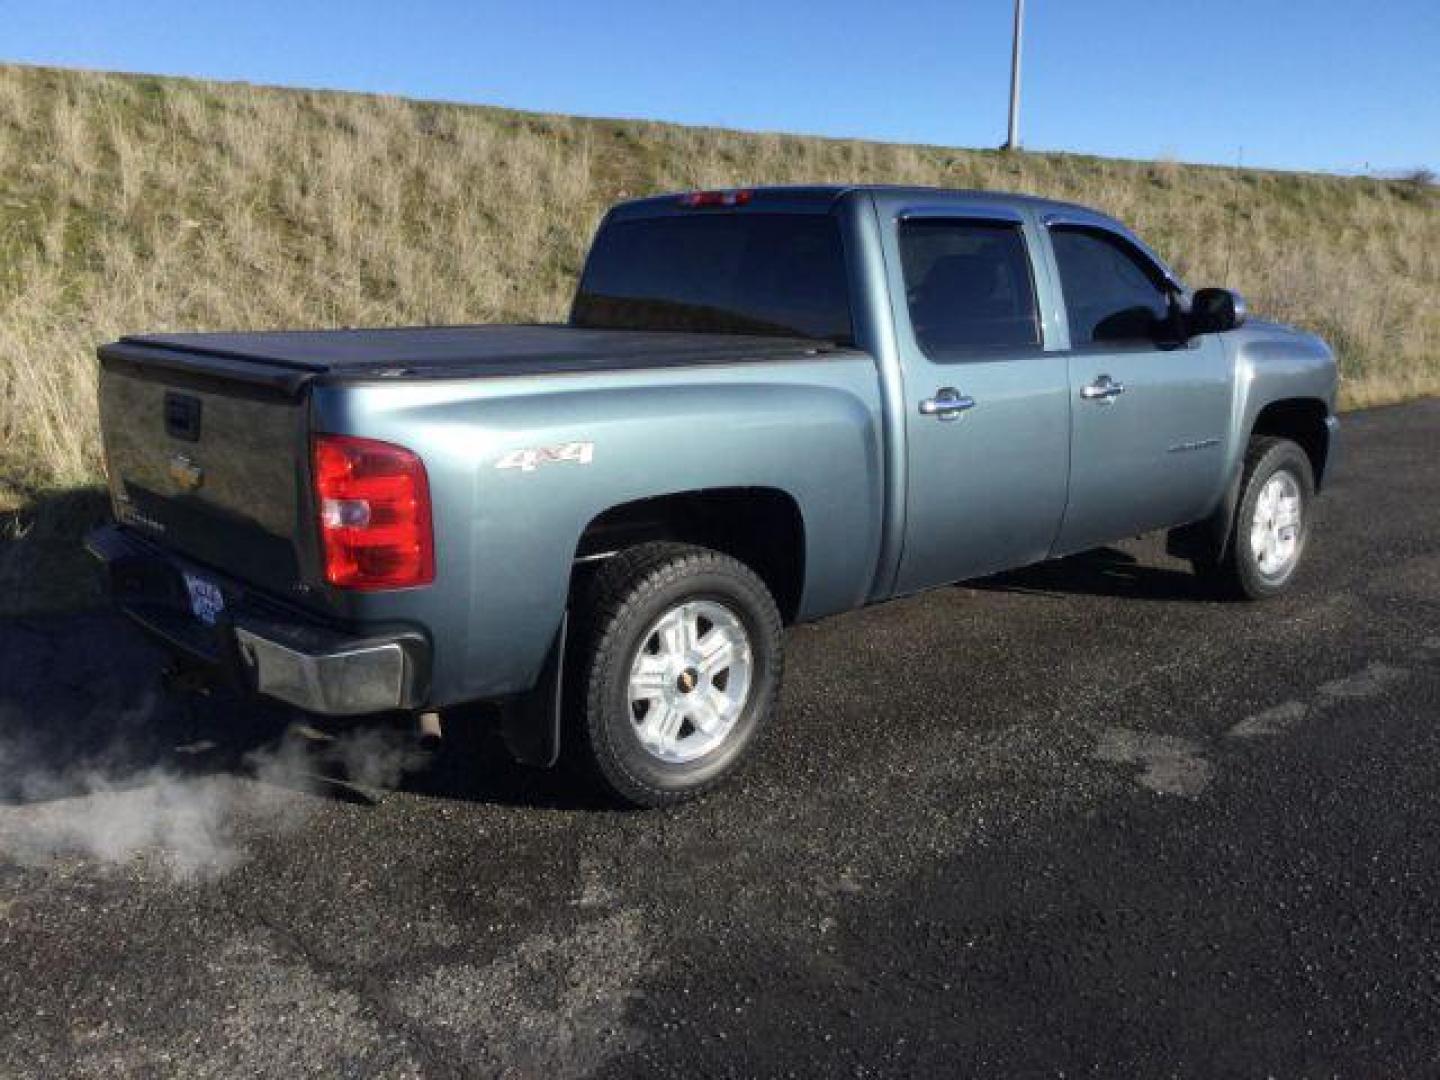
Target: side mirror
1213,311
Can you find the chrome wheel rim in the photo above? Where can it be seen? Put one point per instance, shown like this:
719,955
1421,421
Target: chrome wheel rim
690,680
1275,529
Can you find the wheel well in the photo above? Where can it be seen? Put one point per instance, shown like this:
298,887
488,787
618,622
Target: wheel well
1301,420
762,527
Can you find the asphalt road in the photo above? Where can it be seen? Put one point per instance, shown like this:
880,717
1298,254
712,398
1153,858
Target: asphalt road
1080,820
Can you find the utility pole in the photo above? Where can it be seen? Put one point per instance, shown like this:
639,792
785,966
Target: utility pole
1013,142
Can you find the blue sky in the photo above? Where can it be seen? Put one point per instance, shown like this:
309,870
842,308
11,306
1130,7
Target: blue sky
1342,85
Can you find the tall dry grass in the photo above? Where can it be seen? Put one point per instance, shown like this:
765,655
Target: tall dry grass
135,203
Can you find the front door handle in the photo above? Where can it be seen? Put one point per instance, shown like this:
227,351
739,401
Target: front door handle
1103,388
948,403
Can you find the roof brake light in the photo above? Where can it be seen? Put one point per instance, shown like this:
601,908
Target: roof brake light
699,199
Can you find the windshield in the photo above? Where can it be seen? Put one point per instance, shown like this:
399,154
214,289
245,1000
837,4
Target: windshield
724,273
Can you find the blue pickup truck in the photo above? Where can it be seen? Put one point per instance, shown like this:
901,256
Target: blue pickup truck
768,406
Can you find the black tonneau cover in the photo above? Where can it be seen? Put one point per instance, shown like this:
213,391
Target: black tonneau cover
285,360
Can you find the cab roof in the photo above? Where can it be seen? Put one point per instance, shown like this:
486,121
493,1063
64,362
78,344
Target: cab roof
821,197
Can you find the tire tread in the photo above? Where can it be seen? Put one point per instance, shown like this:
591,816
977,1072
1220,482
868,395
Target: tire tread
1226,571
621,584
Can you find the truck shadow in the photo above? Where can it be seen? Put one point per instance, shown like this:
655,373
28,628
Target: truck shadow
472,764
43,562
82,711
1107,571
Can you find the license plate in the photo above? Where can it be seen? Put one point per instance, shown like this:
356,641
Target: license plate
206,599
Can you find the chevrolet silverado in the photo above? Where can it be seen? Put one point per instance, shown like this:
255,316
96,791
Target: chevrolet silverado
767,406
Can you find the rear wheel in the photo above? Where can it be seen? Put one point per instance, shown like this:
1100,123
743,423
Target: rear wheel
1271,527
676,671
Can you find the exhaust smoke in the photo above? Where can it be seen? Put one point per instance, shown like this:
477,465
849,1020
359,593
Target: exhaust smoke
189,810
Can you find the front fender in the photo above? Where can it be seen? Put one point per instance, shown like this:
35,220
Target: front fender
1276,363
1272,364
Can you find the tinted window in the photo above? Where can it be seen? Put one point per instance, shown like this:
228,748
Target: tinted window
732,273
1111,291
968,285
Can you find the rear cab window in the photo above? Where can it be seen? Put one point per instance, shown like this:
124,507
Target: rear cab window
968,286
749,272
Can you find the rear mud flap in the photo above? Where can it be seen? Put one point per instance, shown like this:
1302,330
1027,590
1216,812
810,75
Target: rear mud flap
530,723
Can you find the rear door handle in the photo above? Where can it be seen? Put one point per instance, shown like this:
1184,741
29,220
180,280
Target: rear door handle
1103,388
947,404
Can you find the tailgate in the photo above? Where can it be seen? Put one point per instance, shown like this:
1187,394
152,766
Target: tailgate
211,467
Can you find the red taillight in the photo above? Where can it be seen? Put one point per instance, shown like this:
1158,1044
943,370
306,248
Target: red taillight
374,507
698,199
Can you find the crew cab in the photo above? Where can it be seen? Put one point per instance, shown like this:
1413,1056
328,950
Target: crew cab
767,406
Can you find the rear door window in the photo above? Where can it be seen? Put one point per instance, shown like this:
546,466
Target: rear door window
968,286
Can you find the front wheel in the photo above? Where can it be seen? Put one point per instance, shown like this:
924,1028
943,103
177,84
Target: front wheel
677,670
1272,523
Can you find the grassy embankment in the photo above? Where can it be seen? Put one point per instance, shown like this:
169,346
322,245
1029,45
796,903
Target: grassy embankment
135,203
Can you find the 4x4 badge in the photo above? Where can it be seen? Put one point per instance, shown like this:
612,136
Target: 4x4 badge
531,458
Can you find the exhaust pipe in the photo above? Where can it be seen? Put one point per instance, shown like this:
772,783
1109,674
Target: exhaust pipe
429,731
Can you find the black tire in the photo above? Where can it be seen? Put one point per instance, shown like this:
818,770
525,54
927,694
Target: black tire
615,613
1236,569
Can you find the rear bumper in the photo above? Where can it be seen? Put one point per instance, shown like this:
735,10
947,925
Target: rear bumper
258,645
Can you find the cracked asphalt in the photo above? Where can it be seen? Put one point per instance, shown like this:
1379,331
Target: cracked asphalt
1077,820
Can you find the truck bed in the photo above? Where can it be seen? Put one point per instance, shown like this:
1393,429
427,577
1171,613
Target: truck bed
231,408
285,360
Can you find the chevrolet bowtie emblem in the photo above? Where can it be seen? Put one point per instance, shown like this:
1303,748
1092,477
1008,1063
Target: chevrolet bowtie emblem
187,475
